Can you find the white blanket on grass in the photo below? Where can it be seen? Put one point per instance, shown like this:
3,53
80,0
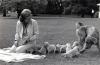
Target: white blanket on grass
18,57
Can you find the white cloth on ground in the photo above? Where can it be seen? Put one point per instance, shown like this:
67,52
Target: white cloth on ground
17,57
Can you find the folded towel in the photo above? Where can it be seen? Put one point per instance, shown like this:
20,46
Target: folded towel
17,57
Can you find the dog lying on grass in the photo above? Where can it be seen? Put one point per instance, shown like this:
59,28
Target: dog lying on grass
48,48
62,48
72,51
34,50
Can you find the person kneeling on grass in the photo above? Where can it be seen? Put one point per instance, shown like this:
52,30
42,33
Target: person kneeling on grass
87,36
26,32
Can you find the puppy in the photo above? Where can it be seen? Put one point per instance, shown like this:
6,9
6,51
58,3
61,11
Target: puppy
68,47
62,48
76,43
33,50
72,51
43,50
48,48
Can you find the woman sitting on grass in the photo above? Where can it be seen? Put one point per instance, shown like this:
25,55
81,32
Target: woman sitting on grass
26,32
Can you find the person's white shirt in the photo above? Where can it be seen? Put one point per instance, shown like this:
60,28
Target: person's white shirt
32,29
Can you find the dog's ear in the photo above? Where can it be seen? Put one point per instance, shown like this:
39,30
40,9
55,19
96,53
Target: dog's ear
46,44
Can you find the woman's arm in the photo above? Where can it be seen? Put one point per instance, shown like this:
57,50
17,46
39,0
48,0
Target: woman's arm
83,48
24,40
13,48
35,31
78,34
17,35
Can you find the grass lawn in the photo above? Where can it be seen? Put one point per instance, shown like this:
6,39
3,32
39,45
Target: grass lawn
53,30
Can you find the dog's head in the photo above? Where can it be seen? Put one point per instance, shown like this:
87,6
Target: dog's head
76,43
42,50
58,45
46,44
68,44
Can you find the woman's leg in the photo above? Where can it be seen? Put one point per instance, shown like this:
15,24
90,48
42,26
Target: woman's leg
23,48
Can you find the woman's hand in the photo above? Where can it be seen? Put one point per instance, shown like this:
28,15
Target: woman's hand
24,40
34,37
27,39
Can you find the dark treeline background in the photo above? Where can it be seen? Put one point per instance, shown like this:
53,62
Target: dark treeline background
65,7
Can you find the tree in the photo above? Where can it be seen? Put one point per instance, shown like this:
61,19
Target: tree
54,7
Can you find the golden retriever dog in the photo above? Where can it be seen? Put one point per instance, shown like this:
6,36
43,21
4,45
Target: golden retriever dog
72,51
49,48
62,48
43,50
34,50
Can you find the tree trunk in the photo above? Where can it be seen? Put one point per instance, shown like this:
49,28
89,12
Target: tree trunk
4,12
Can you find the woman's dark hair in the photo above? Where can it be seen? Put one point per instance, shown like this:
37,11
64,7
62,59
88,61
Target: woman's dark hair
80,23
22,18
